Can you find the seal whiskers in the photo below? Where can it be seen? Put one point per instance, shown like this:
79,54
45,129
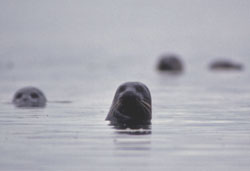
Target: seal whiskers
145,105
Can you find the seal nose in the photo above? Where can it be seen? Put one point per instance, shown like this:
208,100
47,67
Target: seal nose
128,96
25,99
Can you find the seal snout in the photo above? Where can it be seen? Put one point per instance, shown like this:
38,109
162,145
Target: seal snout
129,96
25,99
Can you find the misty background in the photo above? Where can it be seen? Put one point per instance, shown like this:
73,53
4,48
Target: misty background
61,32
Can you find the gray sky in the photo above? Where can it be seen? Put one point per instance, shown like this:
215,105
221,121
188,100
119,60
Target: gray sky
130,26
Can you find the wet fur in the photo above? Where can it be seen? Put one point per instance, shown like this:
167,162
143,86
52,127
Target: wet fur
133,110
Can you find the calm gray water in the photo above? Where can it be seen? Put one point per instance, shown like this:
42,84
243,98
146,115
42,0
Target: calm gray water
78,52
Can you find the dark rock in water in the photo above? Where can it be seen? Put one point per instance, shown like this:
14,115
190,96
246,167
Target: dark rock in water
131,106
225,65
29,97
170,62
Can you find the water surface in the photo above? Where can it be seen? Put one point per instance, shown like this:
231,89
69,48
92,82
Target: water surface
78,53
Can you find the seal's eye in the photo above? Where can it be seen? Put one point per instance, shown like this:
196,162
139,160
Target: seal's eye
34,95
122,88
19,95
139,88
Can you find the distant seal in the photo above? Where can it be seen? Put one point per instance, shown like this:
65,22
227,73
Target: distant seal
131,105
29,97
225,65
170,62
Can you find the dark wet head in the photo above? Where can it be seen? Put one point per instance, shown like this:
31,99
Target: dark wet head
29,97
170,62
131,104
225,65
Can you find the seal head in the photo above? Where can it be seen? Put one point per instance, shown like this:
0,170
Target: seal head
29,97
131,105
225,65
170,62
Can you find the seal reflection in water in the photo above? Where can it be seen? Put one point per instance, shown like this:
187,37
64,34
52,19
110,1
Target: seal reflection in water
29,97
131,106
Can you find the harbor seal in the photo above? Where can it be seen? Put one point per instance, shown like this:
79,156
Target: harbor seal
29,97
225,65
131,105
170,62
